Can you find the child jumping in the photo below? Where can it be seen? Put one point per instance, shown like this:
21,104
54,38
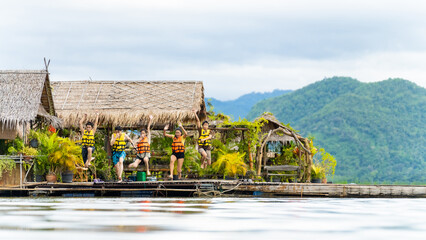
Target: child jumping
88,139
143,147
118,143
204,142
178,149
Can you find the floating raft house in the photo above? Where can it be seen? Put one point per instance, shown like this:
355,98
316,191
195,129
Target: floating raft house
213,188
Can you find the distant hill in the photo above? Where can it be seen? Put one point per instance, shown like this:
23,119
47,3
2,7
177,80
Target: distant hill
375,130
241,106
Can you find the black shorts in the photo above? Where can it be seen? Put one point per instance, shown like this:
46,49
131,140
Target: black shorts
84,152
179,155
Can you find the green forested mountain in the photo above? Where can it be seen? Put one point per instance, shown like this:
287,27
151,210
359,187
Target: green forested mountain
376,131
241,106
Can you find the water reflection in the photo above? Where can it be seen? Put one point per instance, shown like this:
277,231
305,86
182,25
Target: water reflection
217,218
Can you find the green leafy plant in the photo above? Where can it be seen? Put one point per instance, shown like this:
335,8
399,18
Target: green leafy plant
230,164
29,151
327,162
317,171
56,153
287,157
192,160
12,150
14,147
6,165
67,156
101,162
49,143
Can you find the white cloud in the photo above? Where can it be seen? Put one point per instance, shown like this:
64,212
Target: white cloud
233,46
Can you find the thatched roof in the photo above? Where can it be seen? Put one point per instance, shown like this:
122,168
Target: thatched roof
275,123
128,103
21,95
271,119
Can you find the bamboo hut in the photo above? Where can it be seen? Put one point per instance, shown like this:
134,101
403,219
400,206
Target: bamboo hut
24,97
128,103
274,131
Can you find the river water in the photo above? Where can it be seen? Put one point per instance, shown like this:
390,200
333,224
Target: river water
212,218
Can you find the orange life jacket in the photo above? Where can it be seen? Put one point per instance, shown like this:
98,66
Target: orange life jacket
143,146
178,145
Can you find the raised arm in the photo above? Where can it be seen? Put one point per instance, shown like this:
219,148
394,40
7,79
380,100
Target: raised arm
96,123
196,117
183,130
113,138
81,124
148,129
126,137
164,132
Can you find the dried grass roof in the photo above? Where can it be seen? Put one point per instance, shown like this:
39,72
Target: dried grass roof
128,103
273,120
21,94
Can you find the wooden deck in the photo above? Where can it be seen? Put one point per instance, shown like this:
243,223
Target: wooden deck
334,190
213,188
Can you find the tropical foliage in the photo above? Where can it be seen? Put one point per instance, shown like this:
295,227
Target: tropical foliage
317,171
29,151
56,153
230,164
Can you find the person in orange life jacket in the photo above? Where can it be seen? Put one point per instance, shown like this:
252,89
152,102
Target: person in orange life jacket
143,148
204,142
118,143
88,139
178,149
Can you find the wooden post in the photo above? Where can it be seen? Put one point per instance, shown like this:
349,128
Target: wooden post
250,158
260,158
108,144
300,158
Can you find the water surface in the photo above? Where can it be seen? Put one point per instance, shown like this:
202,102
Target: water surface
211,218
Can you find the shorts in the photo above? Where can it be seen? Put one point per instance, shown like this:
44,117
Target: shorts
179,155
117,155
141,156
84,152
206,150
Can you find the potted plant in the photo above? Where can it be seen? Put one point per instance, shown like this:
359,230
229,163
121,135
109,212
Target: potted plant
29,152
327,165
49,143
56,155
65,159
317,173
229,164
40,168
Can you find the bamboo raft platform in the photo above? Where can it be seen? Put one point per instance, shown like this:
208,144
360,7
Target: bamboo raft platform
212,188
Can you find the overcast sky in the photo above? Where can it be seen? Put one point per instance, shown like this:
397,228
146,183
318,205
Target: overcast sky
235,47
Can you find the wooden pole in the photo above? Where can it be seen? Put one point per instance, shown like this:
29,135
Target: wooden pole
260,159
250,158
108,144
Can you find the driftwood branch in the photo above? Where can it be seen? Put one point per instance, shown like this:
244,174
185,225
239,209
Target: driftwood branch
259,161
